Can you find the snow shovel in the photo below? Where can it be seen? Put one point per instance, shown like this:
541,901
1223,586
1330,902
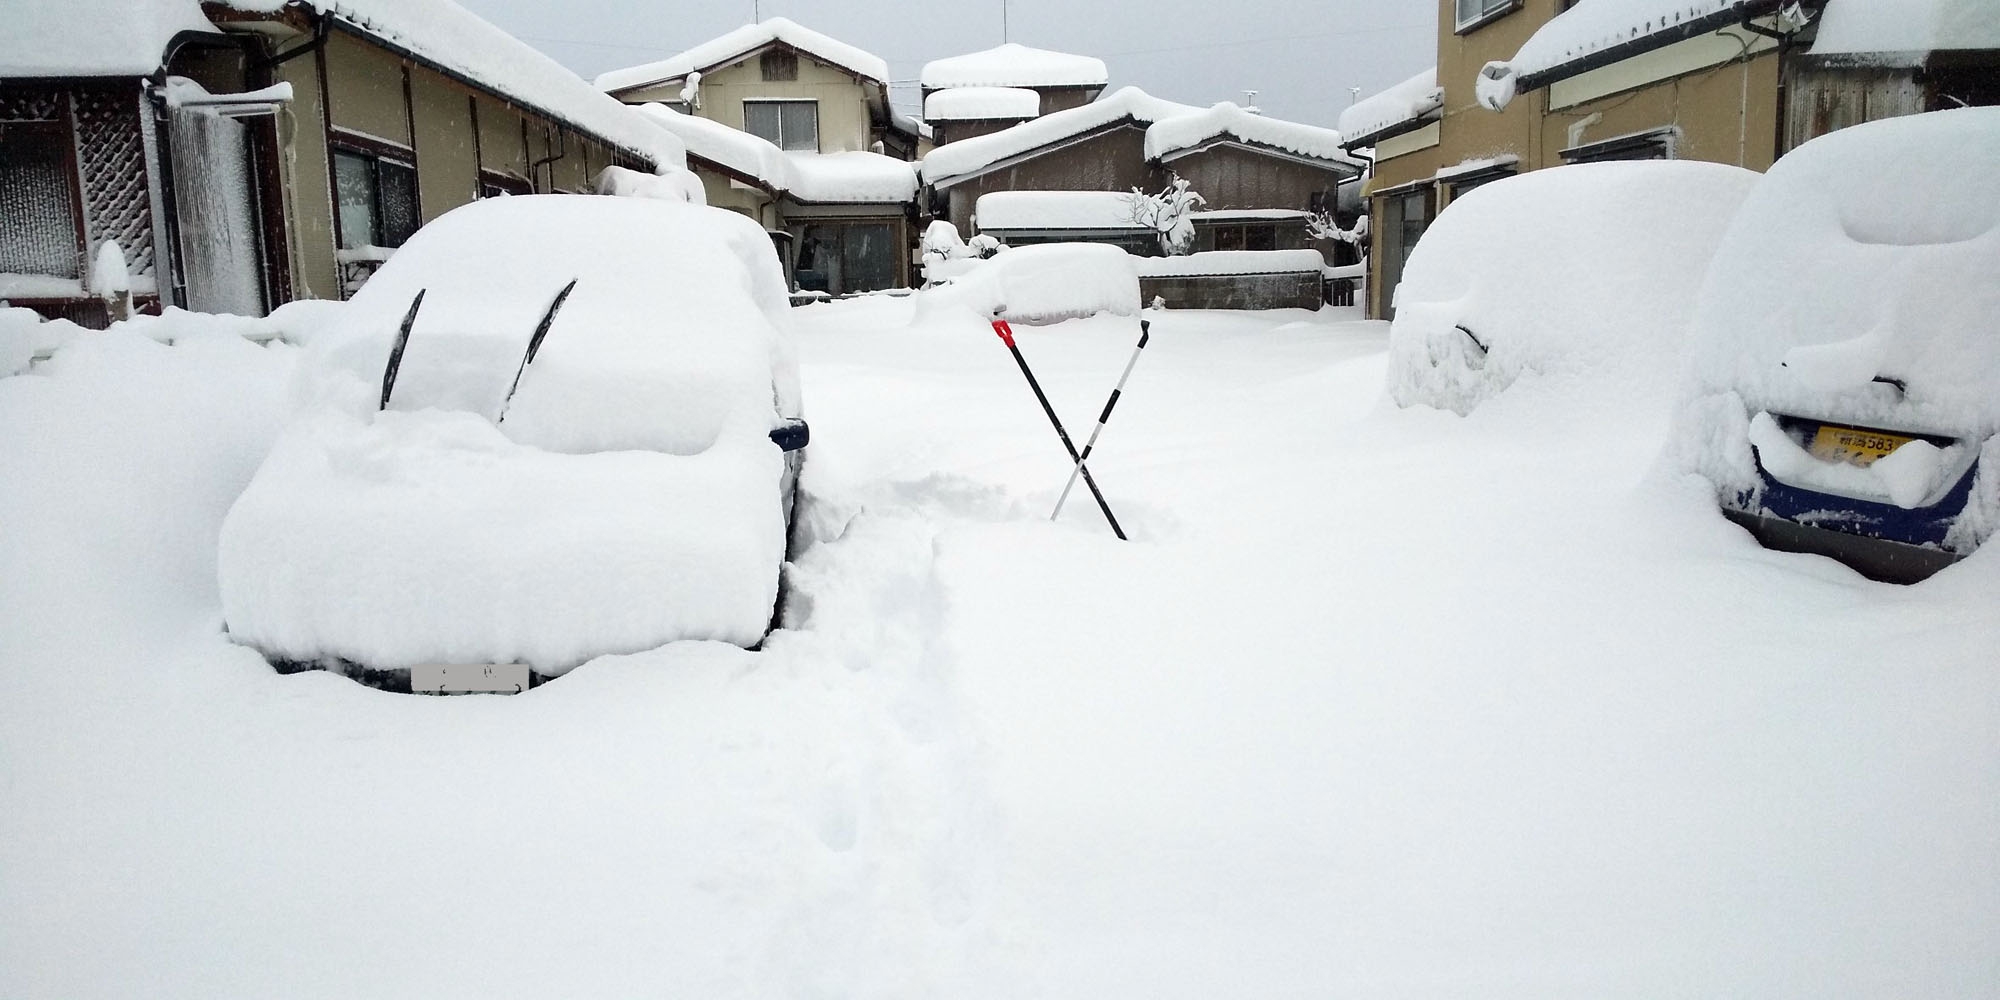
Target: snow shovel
534,346
1145,334
1007,337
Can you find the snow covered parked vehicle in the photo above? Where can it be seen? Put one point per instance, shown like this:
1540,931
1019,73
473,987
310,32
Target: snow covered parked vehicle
477,503
1844,395
1585,271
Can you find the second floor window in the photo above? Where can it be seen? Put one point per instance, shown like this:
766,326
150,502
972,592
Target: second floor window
1472,11
788,125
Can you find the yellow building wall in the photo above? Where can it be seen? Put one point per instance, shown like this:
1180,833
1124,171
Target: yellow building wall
308,188
365,86
843,102
502,149
447,148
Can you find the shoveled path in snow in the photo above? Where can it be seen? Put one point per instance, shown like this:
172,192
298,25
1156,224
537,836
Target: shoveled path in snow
1378,702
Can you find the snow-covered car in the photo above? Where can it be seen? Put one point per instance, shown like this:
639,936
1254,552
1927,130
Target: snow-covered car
1579,272
450,506
1844,390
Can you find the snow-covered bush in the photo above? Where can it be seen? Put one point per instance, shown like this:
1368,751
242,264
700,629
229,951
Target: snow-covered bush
1586,271
1170,214
1839,297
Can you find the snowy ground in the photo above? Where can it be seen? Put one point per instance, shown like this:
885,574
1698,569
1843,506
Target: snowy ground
1379,702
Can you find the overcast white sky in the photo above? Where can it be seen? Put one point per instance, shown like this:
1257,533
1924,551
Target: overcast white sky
1300,55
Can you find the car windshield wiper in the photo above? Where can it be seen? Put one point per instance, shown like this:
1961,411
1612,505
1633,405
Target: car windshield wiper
535,346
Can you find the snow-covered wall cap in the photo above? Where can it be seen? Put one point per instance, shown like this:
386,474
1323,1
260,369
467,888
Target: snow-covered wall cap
726,48
1015,211
969,155
452,37
981,104
850,178
1172,135
1405,102
92,37
1860,27
1014,65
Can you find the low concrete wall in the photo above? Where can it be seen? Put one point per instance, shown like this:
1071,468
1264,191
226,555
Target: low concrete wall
1295,290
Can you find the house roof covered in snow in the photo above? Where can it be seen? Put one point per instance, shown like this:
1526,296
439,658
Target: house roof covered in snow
969,156
129,37
1014,65
818,178
1382,114
1181,133
92,37
1019,211
728,48
981,104
1599,26
1855,27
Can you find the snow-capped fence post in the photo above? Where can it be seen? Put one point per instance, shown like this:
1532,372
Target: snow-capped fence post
112,280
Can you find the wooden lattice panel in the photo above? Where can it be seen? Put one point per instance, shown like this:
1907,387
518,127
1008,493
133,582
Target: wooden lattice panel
111,159
30,104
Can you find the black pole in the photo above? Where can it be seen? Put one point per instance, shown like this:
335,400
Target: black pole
1007,337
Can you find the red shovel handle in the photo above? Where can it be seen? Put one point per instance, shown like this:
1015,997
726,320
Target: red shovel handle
1006,332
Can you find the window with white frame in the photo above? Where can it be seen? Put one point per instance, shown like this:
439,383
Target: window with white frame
1471,12
789,125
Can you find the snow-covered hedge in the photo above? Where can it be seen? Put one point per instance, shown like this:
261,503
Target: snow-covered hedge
1586,271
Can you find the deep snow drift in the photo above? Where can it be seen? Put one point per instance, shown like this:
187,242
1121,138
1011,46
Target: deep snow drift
1380,702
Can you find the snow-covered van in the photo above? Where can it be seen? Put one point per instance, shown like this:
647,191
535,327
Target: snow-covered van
1844,391
584,439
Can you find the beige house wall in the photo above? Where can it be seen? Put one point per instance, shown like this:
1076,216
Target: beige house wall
308,189
843,101
502,149
365,88
447,146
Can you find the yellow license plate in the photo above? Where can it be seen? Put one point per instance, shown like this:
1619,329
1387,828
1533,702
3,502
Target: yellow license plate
1854,445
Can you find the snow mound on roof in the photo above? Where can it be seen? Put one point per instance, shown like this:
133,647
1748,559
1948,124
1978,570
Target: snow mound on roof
832,178
1046,283
969,155
850,178
453,37
717,143
1018,210
1848,27
1187,131
725,49
1407,101
672,332
1583,273
1827,279
1014,65
1593,25
981,103
93,37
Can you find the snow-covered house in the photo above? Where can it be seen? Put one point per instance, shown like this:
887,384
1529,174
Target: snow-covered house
968,112
1059,80
1527,84
1261,177
794,129
244,153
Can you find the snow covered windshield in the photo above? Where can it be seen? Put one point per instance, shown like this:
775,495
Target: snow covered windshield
672,329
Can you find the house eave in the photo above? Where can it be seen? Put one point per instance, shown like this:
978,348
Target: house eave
1735,14
1044,149
1404,127
1350,170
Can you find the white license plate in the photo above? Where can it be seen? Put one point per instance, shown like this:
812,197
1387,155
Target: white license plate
469,678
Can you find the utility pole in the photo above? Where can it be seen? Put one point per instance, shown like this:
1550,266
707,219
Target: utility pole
1003,22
